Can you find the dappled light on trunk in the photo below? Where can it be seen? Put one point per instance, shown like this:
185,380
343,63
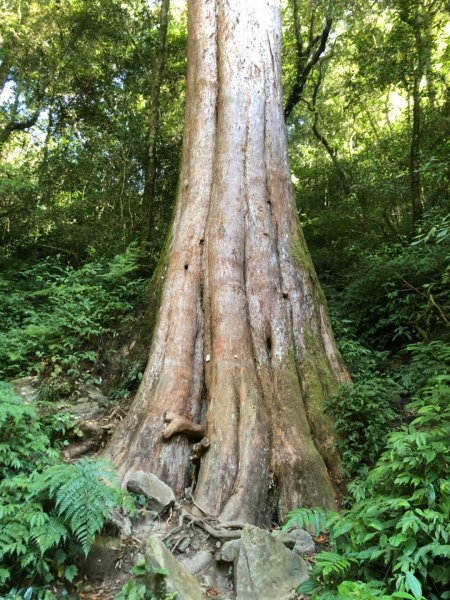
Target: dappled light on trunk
242,344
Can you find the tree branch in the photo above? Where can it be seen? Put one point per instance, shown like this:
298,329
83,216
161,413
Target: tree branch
306,60
17,126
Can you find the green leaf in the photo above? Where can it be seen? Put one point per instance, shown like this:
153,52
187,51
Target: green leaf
70,572
413,584
307,587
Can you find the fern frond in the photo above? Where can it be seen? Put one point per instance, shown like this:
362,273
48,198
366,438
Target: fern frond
84,493
313,519
331,563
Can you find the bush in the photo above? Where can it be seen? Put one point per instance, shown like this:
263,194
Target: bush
49,511
396,536
53,315
366,410
399,293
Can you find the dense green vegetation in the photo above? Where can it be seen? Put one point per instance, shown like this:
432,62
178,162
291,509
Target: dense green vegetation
50,511
369,141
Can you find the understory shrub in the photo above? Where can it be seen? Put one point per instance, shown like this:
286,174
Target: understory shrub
399,294
49,511
395,539
366,409
53,315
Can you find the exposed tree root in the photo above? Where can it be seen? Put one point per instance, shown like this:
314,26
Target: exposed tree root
180,424
225,531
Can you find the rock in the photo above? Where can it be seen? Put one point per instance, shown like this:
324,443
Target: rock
102,556
159,495
266,569
304,544
298,540
27,388
198,562
229,552
184,544
284,537
83,410
177,580
95,394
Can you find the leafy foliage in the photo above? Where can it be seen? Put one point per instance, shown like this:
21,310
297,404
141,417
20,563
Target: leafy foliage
396,535
307,518
136,588
49,511
54,315
84,494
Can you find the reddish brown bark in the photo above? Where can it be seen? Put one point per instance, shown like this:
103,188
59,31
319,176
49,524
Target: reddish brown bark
242,340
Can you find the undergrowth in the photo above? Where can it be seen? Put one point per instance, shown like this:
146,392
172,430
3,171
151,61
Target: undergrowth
49,511
53,316
394,541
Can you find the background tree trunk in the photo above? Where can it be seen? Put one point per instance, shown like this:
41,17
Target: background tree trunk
153,121
242,340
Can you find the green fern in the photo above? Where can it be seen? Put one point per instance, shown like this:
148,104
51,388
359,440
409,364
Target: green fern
44,503
313,519
331,563
84,493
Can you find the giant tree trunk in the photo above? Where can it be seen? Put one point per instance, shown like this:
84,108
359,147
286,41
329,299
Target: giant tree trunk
242,340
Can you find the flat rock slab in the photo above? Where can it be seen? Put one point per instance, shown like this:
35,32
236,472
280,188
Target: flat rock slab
158,494
177,580
266,569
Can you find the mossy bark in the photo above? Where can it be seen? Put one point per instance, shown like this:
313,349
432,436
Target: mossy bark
242,340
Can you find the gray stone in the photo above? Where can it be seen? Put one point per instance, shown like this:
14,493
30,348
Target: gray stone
266,569
284,537
184,544
177,579
159,495
229,552
27,388
102,557
84,410
95,394
198,562
304,544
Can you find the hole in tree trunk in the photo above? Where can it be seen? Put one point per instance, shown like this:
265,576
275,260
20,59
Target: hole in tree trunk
186,267
269,345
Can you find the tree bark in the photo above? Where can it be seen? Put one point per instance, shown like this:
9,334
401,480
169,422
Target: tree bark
242,342
415,158
153,118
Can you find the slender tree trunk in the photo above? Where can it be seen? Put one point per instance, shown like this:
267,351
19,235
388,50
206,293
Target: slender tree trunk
415,150
153,118
242,341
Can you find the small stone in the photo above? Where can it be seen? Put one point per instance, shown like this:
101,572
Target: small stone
158,494
229,552
304,544
284,537
184,544
198,562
